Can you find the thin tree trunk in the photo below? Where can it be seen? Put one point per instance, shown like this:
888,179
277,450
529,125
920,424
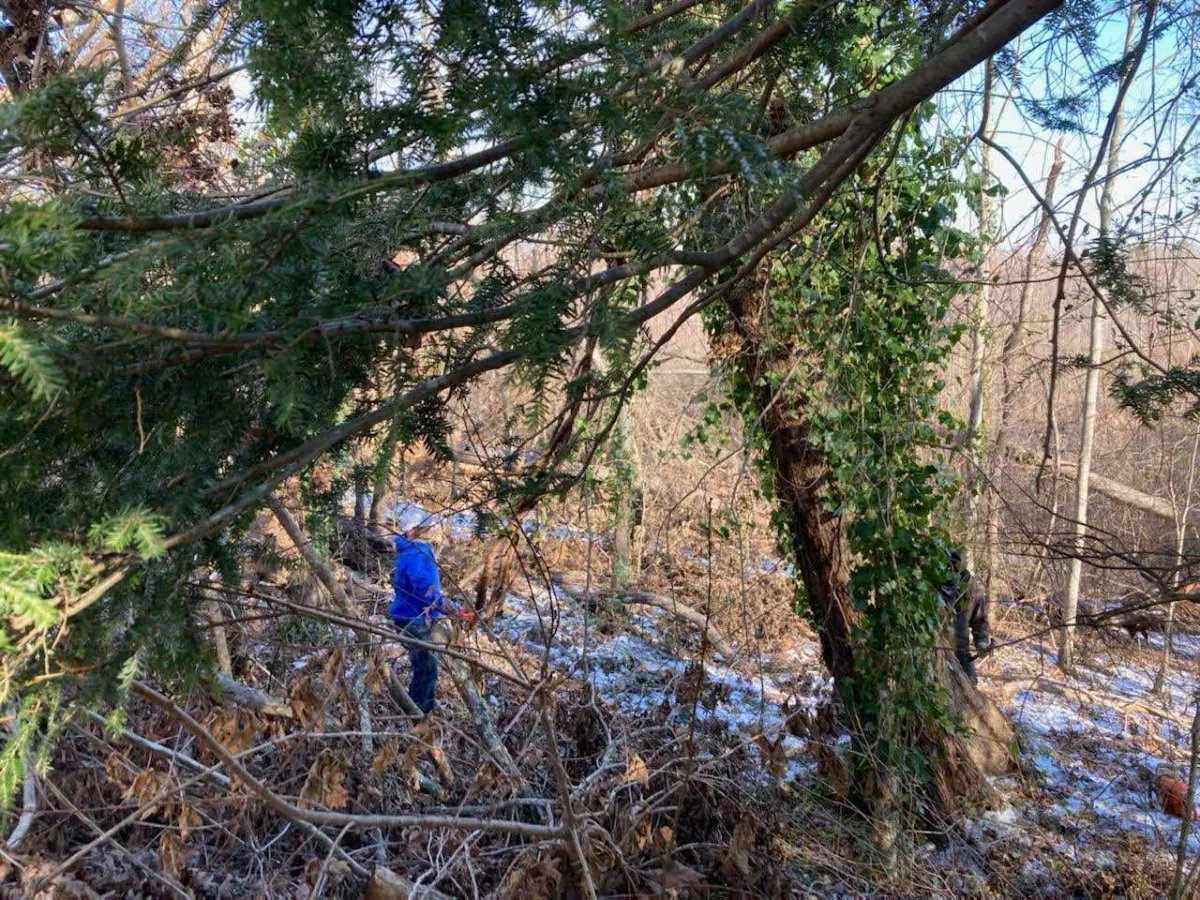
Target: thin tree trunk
1091,391
627,485
323,573
1160,679
980,336
821,557
1008,382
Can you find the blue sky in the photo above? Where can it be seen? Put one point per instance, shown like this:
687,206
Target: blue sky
1152,133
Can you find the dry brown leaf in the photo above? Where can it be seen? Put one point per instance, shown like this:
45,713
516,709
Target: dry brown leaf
376,679
333,672
690,685
386,757
773,755
783,850
116,769
237,730
737,855
439,758
636,771
307,704
335,871
188,819
831,768
537,875
323,785
146,785
641,833
171,853
664,839
333,677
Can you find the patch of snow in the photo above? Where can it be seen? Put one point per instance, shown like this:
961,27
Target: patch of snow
637,671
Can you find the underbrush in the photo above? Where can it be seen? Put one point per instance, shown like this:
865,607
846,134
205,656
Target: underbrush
581,738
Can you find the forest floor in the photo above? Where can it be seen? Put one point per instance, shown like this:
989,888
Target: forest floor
695,750
1079,818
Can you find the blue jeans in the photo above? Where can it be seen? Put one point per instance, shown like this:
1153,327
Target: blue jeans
424,662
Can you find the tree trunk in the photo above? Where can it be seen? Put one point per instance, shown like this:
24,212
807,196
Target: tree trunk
1181,524
1009,383
1091,392
821,557
980,336
627,502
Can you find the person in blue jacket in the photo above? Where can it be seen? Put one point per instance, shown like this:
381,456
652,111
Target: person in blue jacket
417,607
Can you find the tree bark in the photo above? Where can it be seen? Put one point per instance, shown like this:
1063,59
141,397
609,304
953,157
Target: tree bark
1009,384
1091,390
821,557
627,482
980,337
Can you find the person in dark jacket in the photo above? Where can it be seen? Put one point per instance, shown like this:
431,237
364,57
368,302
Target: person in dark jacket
969,604
418,608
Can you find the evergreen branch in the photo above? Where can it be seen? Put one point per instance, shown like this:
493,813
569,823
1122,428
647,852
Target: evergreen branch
352,325
240,212
962,53
29,362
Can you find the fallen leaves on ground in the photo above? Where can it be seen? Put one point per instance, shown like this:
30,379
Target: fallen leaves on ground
324,784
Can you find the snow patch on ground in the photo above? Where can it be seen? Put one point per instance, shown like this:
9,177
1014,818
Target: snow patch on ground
641,669
1094,742
1088,739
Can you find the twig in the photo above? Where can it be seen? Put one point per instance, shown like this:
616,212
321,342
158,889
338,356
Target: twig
570,822
29,805
320,817
319,885
105,836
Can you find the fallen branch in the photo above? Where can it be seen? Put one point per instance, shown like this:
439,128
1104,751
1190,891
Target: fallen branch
684,613
156,749
484,725
28,805
1124,494
252,698
570,820
314,817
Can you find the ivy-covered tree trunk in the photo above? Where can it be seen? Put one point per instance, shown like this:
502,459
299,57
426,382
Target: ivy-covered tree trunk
802,475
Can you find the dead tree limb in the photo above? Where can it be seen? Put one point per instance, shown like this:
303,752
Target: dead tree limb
315,817
1124,494
252,698
686,614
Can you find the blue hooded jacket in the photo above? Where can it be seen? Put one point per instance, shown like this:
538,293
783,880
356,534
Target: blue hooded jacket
418,589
